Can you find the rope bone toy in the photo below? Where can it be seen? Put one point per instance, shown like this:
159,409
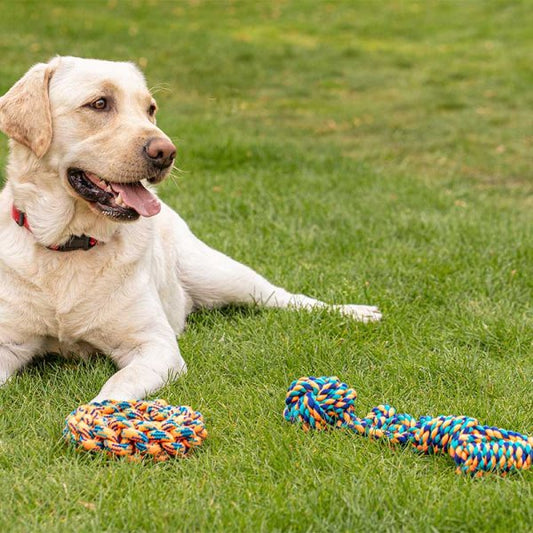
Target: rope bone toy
319,403
135,429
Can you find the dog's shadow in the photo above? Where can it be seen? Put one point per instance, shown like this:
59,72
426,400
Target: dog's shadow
70,376
230,313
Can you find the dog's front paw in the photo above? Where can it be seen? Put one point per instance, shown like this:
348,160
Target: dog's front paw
361,313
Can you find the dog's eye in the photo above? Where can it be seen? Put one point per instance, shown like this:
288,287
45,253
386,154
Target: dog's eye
100,104
152,110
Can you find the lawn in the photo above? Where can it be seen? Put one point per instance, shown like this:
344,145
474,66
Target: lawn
360,152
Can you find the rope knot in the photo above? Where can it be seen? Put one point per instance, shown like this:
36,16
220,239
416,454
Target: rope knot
320,402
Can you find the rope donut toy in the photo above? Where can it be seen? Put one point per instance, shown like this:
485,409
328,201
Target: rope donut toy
135,429
326,402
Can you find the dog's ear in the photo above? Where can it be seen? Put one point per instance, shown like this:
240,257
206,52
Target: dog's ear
25,110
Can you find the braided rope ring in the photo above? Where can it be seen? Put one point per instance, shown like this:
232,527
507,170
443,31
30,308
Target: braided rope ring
326,402
135,429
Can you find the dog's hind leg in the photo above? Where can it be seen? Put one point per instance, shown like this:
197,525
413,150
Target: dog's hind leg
213,279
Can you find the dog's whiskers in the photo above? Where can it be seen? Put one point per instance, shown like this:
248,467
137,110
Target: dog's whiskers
160,88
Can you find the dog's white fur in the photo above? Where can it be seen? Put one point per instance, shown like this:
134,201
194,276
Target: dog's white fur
130,295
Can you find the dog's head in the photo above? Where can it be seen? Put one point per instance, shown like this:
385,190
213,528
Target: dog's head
92,123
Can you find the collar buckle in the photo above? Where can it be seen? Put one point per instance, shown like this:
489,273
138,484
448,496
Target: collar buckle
77,242
20,218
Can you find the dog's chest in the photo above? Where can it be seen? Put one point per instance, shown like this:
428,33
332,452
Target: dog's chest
72,304
96,303
73,300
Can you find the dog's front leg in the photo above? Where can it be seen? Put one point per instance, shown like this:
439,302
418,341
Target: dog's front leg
16,354
144,368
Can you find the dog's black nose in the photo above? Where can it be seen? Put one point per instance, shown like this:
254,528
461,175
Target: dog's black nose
160,152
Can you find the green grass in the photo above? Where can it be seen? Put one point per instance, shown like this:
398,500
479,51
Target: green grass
374,152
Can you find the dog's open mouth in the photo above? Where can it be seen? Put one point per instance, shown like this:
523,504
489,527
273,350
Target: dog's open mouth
122,201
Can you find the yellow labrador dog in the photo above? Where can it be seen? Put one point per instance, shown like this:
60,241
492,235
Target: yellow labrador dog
91,260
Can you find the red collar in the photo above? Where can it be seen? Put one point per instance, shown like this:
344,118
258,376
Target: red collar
75,242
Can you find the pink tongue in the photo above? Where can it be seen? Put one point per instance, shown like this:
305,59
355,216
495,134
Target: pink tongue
138,197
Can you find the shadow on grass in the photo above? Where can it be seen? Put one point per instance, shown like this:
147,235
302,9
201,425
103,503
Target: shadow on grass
53,363
231,313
